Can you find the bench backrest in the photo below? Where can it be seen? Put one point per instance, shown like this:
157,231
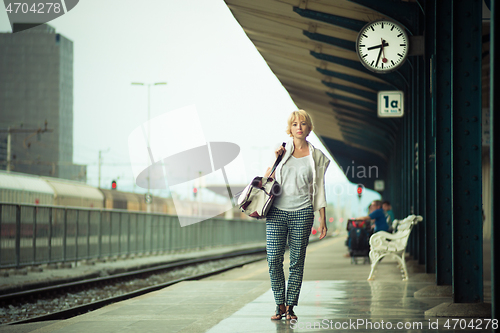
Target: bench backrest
395,242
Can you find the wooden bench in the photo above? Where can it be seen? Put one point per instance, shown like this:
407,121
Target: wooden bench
383,243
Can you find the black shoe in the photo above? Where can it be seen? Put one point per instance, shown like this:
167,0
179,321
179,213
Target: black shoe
279,314
290,314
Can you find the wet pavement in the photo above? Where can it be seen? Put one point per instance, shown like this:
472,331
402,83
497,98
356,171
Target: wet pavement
335,296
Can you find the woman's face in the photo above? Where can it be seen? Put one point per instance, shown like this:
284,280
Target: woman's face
299,128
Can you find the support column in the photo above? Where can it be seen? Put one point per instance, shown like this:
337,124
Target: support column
439,104
420,163
443,145
465,55
494,157
467,218
430,139
413,152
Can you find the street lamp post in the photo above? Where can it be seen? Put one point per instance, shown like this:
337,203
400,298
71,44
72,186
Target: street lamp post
148,202
99,166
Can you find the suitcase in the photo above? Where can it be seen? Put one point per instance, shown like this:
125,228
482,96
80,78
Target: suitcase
358,244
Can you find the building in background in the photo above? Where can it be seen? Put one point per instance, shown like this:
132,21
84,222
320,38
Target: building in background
36,86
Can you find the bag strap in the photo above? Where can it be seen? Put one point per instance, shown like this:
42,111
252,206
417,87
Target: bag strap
278,160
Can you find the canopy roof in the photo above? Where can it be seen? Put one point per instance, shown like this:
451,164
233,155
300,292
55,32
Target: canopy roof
310,46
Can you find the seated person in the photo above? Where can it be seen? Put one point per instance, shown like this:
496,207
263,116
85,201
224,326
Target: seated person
378,215
389,215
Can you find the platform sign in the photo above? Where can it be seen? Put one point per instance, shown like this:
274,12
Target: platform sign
390,103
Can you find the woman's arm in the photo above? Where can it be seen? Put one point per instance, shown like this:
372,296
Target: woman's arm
281,150
322,223
266,174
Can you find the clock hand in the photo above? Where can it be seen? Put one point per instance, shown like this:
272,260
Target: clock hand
374,47
378,46
378,58
384,59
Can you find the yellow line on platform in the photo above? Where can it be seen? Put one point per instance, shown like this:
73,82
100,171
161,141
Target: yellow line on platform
324,243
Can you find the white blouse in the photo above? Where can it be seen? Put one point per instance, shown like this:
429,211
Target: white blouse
297,177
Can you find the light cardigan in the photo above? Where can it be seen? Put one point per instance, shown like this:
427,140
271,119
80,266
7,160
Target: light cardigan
319,164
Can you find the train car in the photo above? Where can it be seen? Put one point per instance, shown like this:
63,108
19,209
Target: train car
159,205
114,199
75,194
32,189
23,188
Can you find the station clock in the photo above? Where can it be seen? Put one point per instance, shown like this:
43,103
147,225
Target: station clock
382,46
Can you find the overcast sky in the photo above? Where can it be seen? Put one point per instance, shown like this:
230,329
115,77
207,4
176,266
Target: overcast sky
199,49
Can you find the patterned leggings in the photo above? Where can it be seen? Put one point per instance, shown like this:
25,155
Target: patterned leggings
297,226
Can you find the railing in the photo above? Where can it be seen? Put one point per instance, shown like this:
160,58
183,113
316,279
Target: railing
35,234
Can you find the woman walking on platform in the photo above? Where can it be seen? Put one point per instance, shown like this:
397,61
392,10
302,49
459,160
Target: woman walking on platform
301,175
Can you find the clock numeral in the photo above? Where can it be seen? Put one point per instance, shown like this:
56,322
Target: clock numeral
382,65
392,62
392,27
372,28
365,55
361,46
401,34
382,25
372,63
402,44
400,55
365,35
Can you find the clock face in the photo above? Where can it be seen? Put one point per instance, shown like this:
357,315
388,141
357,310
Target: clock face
382,46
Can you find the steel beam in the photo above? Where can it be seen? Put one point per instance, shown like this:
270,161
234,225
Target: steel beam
360,92
376,133
429,161
401,175
408,170
371,119
421,166
444,214
406,13
368,105
412,181
393,123
370,142
370,84
398,80
340,21
494,157
467,220
339,42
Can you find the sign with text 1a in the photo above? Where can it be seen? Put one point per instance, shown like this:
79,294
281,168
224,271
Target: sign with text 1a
390,103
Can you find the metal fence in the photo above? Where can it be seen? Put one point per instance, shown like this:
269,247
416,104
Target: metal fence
35,234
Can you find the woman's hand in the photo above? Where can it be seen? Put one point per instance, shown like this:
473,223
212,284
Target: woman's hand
322,223
322,230
281,150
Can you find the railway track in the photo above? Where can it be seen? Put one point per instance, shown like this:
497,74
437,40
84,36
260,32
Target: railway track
98,292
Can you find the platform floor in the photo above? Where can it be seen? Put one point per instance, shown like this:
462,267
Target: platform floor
335,296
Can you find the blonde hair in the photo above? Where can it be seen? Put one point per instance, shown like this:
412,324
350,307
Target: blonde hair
301,115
